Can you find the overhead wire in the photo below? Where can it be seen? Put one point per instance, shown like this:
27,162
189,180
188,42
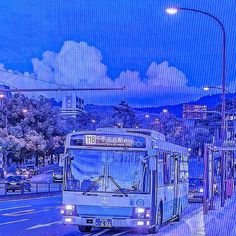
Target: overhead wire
34,78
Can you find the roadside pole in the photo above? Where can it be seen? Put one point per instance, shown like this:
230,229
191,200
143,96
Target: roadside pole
206,181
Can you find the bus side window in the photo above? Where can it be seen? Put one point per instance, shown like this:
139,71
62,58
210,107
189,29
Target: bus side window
183,169
166,168
180,171
172,169
160,171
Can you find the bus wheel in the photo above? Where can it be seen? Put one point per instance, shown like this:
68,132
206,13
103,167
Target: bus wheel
84,229
155,229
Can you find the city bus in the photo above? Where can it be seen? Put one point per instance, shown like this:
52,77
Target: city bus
118,177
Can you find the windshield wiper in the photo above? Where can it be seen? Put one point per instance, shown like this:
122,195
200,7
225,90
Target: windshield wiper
93,184
103,177
117,185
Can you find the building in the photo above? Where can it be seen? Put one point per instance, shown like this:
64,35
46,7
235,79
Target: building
72,105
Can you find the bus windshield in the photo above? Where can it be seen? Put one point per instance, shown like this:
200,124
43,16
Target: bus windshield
106,171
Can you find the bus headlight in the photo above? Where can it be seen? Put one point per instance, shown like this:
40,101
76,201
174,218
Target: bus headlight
139,210
141,213
69,207
68,210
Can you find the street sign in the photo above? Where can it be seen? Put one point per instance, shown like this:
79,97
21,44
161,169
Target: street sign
194,112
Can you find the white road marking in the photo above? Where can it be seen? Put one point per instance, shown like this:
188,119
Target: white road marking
121,233
12,222
44,225
54,207
17,212
30,199
21,213
102,232
13,208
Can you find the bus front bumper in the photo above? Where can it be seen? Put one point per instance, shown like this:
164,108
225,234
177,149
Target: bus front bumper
121,222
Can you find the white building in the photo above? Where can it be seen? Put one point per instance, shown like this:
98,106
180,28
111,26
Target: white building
72,105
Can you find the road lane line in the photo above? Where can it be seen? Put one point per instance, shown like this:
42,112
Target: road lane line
33,212
121,233
25,212
102,232
13,208
12,222
54,207
17,212
30,199
44,225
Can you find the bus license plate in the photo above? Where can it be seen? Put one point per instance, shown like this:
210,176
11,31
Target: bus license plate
106,223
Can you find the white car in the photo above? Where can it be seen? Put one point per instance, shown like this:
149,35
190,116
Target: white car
57,176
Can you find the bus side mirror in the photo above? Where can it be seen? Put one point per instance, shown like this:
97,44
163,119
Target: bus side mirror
152,163
62,158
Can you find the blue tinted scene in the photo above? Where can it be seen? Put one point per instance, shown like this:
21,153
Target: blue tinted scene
117,117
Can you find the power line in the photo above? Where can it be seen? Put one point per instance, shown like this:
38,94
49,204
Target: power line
15,90
34,78
7,84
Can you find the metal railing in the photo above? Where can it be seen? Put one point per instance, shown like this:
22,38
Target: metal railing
35,187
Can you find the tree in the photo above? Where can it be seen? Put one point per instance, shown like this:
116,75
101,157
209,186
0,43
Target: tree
199,137
37,131
124,114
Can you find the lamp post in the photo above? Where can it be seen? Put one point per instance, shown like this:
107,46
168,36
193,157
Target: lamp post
207,88
174,10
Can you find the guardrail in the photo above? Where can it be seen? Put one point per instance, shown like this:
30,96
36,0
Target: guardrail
35,187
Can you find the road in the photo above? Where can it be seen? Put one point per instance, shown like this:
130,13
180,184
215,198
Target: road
41,217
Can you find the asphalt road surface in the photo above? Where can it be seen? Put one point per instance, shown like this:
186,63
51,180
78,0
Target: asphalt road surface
41,217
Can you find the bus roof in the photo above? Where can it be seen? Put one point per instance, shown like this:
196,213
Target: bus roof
171,147
156,138
152,133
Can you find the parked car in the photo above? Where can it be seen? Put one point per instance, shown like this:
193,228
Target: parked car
196,186
195,190
18,182
57,176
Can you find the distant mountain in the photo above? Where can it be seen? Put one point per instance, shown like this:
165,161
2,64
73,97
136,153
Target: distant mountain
98,108
210,101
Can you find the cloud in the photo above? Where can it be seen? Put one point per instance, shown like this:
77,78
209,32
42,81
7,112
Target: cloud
80,65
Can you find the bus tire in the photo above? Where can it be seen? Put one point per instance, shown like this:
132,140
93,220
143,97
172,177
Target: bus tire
156,228
84,229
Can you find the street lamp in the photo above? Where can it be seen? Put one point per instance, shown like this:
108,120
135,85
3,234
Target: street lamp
165,111
171,10
174,10
1,98
24,110
207,88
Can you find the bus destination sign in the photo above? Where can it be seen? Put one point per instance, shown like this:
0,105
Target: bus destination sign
105,140
98,140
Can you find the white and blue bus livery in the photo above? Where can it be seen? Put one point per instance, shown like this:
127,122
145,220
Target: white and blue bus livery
129,178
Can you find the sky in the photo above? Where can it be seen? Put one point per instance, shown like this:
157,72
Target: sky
160,59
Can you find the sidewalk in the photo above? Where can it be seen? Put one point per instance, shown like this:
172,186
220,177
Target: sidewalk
218,222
